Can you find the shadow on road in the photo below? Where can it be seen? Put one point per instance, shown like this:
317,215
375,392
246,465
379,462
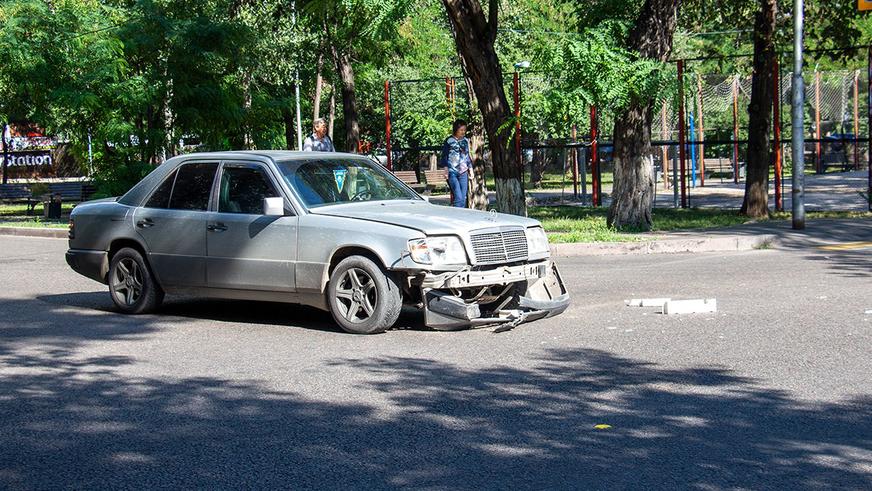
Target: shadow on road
83,424
239,311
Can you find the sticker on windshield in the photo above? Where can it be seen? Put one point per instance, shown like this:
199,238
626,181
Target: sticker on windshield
339,177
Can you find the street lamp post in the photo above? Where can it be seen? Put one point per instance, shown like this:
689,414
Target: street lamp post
798,138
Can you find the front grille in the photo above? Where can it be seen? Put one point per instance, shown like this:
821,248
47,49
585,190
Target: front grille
499,246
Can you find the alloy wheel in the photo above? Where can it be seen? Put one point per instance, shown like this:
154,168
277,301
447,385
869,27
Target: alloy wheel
356,295
127,282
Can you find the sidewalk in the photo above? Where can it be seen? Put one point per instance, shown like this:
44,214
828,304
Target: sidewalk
825,192
819,235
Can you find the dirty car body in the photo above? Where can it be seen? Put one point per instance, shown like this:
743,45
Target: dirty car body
333,231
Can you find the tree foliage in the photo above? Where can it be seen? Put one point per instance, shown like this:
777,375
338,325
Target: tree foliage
146,79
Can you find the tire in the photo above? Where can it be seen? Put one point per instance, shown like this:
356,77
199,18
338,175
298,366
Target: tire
131,285
363,298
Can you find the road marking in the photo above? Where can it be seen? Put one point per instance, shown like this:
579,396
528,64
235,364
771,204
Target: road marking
847,246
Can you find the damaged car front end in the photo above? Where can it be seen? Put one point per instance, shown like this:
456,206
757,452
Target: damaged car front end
504,278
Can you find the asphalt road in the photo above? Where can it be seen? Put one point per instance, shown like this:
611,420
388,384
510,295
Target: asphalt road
772,391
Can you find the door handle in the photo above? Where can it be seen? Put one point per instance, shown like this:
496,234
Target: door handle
145,223
216,227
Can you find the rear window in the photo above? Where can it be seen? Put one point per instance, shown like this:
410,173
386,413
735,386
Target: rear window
193,186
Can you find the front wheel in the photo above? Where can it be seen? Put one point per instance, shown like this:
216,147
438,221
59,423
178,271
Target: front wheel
131,284
363,298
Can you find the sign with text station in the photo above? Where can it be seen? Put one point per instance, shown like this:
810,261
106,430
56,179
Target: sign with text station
34,158
864,4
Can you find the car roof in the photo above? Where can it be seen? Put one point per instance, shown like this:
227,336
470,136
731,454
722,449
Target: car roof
275,155
139,191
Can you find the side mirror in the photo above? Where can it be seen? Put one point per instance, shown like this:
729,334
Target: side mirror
274,207
425,197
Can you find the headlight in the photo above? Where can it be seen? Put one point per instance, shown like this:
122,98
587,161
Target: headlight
438,251
537,241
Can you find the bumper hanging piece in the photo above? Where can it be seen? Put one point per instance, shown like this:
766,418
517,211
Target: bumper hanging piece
537,297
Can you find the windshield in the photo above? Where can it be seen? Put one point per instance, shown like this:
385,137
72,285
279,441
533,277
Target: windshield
328,181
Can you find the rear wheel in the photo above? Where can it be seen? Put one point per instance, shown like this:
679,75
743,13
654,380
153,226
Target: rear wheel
131,284
363,298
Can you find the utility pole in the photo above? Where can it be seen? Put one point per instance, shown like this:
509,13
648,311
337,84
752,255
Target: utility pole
798,138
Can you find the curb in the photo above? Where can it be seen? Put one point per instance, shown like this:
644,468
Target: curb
662,246
666,246
51,233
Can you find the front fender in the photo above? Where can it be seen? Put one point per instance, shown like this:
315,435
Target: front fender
322,237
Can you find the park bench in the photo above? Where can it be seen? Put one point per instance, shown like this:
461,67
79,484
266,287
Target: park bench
723,168
435,179
72,191
411,179
18,193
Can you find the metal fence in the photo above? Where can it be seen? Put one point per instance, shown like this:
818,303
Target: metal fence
567,151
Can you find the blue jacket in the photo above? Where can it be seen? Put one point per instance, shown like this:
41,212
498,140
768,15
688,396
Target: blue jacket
455,155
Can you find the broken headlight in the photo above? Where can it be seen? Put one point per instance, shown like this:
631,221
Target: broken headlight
438,251
537,242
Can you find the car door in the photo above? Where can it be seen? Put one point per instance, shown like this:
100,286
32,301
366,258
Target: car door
247,250
172,222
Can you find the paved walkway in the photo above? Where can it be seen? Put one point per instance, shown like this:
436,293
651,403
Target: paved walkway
828,192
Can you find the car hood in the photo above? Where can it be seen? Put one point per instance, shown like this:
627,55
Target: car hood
424,217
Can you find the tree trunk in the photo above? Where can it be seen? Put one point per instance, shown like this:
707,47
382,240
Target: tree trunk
756,202
319,82
349,100
169,144
290,130
331,116
633,192
247,141
474,36
537,167
476,198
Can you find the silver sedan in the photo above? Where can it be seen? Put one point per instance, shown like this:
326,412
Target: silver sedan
334,231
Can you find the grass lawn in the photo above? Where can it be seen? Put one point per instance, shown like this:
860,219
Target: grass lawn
15,215
19,210
34,222
584,224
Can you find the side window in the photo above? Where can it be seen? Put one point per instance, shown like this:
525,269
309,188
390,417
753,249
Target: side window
243,190
193,186
160,198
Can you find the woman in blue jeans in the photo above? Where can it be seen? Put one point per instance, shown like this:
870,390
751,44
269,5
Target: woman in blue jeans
455,159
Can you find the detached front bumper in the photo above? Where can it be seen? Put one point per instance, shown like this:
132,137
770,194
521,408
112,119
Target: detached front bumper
538,293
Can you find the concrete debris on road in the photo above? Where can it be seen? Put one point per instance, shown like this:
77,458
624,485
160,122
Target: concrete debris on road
646,302
696,306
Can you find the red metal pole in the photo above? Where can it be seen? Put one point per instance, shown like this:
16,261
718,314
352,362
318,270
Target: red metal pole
817,125
516,89
388,125
681,135
776,126
856,119
700,129
594,157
